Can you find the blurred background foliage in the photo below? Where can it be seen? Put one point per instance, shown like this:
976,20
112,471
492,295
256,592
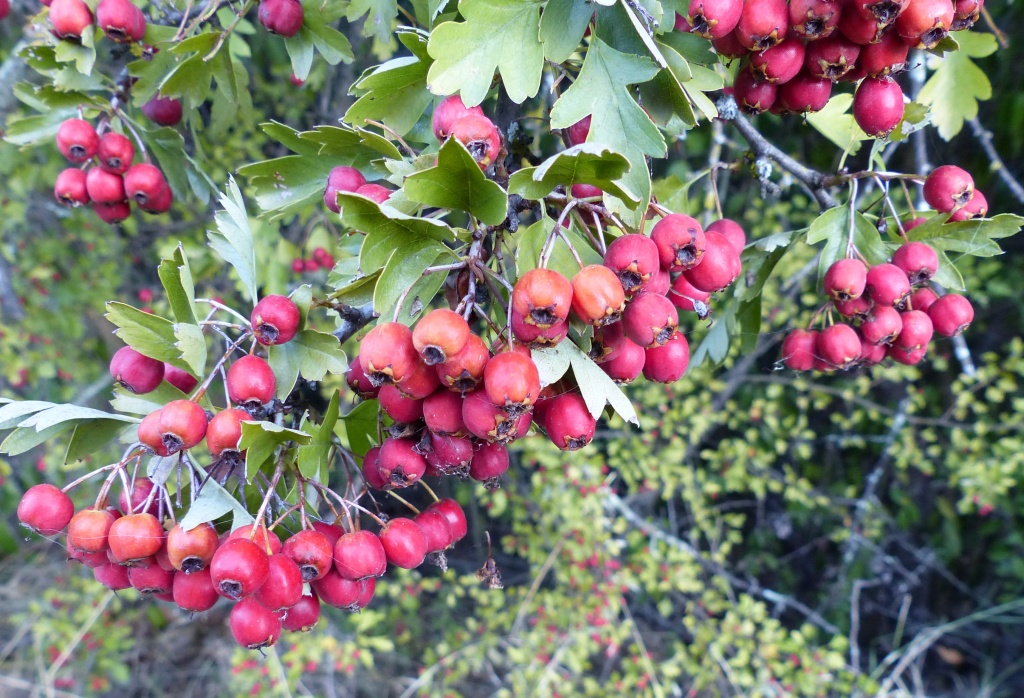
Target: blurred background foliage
763,534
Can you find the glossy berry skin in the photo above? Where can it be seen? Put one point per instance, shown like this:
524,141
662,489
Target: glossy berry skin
135,537
401,409
977,207
70,189
598,298
88,530
70,18
437,530
275,320
814,19
480,136
799,349
887,284
251,382
283,587
225,430
660,283
163,111
536,338
342,178
713,19
182,380
387,353
374,192
882,325
568,422
542,297
719,266
489,463
358,381
464,371
335,590
627,363
450,110
151,579
634,259
918,260
135,372
886,57
732,231
144,183
282,17
763,24
121,20
753,94
150,436
680,241
966,13
683,294
948,188
831,58
113,213
511,380
399,462
439,334
267,541
112,576
141,489
311,551
190,551
420,383
455,515
804,94
303,616
917,330
845,280
491,423
115,153
860,29
359,555
253,625
951,314
579,131
104,187
650,319
239,568
838,346
371,471
585,191
404,543
667,363
442,412
194,592
857,308
182,425
871,354
781,62
925,23
878,106
921,299
449,455
90,560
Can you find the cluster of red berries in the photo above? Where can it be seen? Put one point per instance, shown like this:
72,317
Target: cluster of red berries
320,259
129,547
794,51
120,20
111,182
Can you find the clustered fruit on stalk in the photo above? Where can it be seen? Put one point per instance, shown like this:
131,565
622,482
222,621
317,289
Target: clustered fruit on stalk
793,52
891,309
139,544
120,20
111,181
319,259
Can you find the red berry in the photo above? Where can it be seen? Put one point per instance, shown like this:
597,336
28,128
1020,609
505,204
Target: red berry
437,530
283,587
150,436
977,207
113,213
282,17
404,543
780,63
163,111
719,266
948,188
450,110
650,320
441,333
135,372
70,188
70,19
917,331
534,337
480,136
335,590
885,11
918,261
753,94
90,560
578,132
839,346
402,409
887,284
194,592
871,354
921,299
387,353
359,555
542,297
951,314
887,57
455,515
374,192
266,540
878,106
464,371
442,412
371,469
239,568
882,325
634,259
358,381
489,463
804,93
449,455
925,23
113,576
190,551
729,46
151,579
799,349
400,463
115,152
275,320
88,530
568,422
814,19
311,551
135,537
626,363
491,423
831,58
680,241
512,381
763,23
732,231
598,298
713,19
104,187
304,615
182,380
857,308
660,283
253,625
860,29
667,363
683,295
121,20
845,280
343,178
144,184
251,382
182,425
966,13
225,431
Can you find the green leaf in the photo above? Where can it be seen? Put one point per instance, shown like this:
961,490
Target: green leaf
381,15
233,238
837,124
457,182
361,427
91,436
260,440
331,43
953,91
319,353
82,54
313,458
586,163
403,269
562,26
833,223
213,502
531,243
125,401
300,51
497,34
153,336
948,275
973,237
715,345
386,229
355,291
191,345
596,387
176,278
552,362
284,362
395,93
36,422
35,129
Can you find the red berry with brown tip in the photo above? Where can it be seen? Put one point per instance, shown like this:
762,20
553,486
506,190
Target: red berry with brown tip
680,241
626,363
358,381
511,380
887,284
845,280
491,423
404,543
450,110
860,29
634,258
732,231
464,371
135,537
534,336
977,207
163,111
282,17
402,409
951,314
239,568
838,346
311,551
267,541
224,432
359,555
753,94
150,436
925,23
449,455
579,131
342,178
568,422
781,62
542,297
151,579
190,551
598,298
303,616
857,308
275,320
182,425
804,94
888,56
667,363
335,590
70,19
488,464
918,260
70,188
387,353
104,187
831,58
144,184
121,20
713,19
88,530
480,136
112,576
90,560
884,11
283,587
253,625
917,330
719,266
908,357
965,14
251,382
135,372
948,188
650,320
814,19
436,528
799,349
194,592
921,299
439,334
115,153
763,23
400,463
882,325
442,412
878,106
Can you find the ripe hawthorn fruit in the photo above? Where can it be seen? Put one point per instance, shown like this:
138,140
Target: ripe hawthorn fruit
753,94
283,587
920,299
151,579
762,24
947,188
404,544
542,297
144,184
650,319
719,266
335,590
683,295
311,551
814,19
534,336
634,259
191,551
437,530
878,105
732,231
182,380
887,284
885,11
224,432
924,23
713,19
88,530
882,325
163,111
104,187
965,14
150,436
182,425
70,189
112,576
449,455
303,616
90,560
239,568
860,29
121,20
439,334
488,464
253,625
977,207
887,57
387,353
194,592
70,18
729,46
275,320
135,537
115,152
359,555
480,136
113,213
450,110
804,94
845,280
135,372
402,409
464,371
371,471
680,241
918,260
358,381
799,349
838,346
951,314
857,308
282,17
568,422
400,463
374,192
251,383
667,363
579,131
917,331
831,58
268,541
490,423
342,178
455,515
511,380
598,298
780,63
626,363
442,413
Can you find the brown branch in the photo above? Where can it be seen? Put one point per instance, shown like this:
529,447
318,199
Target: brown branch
984,137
